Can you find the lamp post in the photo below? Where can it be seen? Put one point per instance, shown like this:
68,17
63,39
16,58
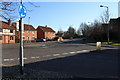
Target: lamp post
90,23
107,15
29,28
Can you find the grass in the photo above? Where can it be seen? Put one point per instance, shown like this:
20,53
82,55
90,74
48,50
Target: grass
116,44
111,43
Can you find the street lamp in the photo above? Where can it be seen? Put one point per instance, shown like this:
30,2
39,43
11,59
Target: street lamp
29,28
107,14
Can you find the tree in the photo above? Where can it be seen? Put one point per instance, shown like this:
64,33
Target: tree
105,17
70,33
60,33
9,8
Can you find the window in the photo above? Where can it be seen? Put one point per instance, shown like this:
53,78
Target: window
11,38
33,32
33,38
23,38
28,31
28,38
11,31
0,37
1,30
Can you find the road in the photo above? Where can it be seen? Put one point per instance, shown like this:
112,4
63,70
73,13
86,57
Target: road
42,51
70,57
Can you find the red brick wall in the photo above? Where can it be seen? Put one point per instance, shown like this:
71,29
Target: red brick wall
40,34
6,39
49,35
31,34
26,34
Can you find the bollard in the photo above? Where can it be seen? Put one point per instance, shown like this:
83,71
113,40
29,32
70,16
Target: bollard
98,45
58,40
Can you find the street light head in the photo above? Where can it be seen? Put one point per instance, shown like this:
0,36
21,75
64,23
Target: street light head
101,5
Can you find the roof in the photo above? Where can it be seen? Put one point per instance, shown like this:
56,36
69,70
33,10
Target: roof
5,25
46,29
29,27
115,20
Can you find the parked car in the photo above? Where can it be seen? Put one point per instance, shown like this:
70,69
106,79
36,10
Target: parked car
41,40
55,39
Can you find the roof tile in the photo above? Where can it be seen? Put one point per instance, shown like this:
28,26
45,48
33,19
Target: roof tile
46,29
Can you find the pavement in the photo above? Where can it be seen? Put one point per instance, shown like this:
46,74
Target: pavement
69,60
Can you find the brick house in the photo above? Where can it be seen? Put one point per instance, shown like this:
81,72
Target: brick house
29,33
115,28
45,32
7,32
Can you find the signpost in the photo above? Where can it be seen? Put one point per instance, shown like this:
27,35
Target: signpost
22,12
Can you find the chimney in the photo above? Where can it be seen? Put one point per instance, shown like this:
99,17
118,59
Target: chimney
17,24
45,25
9,22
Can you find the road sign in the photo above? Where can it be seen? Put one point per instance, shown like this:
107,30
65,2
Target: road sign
22,11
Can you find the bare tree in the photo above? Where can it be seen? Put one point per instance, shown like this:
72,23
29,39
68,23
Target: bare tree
9,9
105,17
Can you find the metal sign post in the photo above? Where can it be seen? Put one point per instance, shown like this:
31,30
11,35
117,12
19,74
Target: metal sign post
21,49
22,12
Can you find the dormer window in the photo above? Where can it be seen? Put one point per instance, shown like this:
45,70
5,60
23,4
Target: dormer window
33,32
11,31
11,38
29,31
1,30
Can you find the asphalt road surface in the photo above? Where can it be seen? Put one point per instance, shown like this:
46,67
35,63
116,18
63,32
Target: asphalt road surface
41,52
70,57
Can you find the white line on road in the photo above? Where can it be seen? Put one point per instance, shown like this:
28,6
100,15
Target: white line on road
82,51
64,53
56,54
78,51
25,58
8,59
47,56
37,57
33,57
11,59
72,52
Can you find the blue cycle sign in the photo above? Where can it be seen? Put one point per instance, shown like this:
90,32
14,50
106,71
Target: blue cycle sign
22,11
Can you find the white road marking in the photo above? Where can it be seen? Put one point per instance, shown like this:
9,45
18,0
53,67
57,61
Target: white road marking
78,51
11,59
37,57
85,50
72,52
47,56
82,51
64,53
33,57
56,54
24,58
8,59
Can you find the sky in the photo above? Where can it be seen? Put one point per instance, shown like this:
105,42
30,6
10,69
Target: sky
61,15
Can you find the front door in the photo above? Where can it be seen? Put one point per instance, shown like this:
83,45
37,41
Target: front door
6,38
